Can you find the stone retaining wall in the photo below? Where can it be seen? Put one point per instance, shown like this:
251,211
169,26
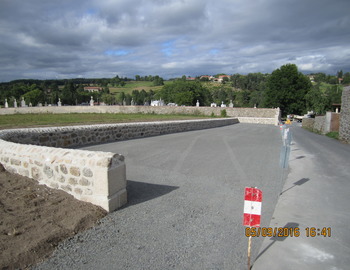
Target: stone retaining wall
308,123
344,128
322,124
319,125
244,115
96,177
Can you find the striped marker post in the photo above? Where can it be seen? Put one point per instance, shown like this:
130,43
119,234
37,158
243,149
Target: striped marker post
251,212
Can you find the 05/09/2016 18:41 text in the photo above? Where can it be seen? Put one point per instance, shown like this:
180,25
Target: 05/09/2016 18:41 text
287,232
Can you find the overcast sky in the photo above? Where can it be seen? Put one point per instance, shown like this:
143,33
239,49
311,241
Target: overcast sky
47,39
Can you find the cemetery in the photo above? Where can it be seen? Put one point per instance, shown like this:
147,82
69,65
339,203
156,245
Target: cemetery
45,156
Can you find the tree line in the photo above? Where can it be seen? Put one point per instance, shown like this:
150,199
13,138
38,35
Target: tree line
285,87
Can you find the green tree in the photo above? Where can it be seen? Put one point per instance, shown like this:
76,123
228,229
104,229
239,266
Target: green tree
35,96
109,99
346,79
121,98
340,74
135,95
105,90
157,81
143,97
185,93
128,99
69,94
286,88
316,100
256,98
333,95
320,77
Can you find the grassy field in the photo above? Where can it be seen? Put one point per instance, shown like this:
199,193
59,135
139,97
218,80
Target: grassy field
37,120
324,86
136,85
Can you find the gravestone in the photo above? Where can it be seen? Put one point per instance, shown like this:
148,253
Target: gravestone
231,104
6,104
59,103
222,104
197,104
92,101
15,103
23,103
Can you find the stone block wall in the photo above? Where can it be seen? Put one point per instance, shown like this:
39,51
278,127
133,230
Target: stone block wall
308,123
323,124
72,136
319,124
344,128
96,177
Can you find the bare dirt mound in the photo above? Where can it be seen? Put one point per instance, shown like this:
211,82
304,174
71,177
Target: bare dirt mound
35,218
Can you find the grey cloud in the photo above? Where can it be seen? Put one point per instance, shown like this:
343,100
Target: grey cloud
170,37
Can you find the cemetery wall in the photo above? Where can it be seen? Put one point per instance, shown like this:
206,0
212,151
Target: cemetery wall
308,123
244,115
344,128
96,177
317,124
323,124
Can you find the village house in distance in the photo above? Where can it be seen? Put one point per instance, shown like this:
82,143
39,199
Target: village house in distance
93,89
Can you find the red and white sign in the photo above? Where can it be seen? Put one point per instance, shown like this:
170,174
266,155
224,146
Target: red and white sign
252,207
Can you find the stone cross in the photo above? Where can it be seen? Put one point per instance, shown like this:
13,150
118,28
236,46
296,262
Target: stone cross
23,103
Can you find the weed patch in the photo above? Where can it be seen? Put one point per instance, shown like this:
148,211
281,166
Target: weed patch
333,135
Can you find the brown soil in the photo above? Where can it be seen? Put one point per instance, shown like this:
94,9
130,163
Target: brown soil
35,218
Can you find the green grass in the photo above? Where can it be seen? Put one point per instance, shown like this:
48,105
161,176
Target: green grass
324,86
333,135
36,120
136,85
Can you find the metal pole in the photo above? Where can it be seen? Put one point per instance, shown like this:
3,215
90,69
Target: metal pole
249,249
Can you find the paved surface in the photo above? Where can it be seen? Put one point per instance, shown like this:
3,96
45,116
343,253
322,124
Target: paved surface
185,207
316,194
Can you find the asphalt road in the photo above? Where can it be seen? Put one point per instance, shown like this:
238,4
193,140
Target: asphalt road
315,196
185,202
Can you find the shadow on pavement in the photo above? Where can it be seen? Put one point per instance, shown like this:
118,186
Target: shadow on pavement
283,235
139,192
299,157
297,183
